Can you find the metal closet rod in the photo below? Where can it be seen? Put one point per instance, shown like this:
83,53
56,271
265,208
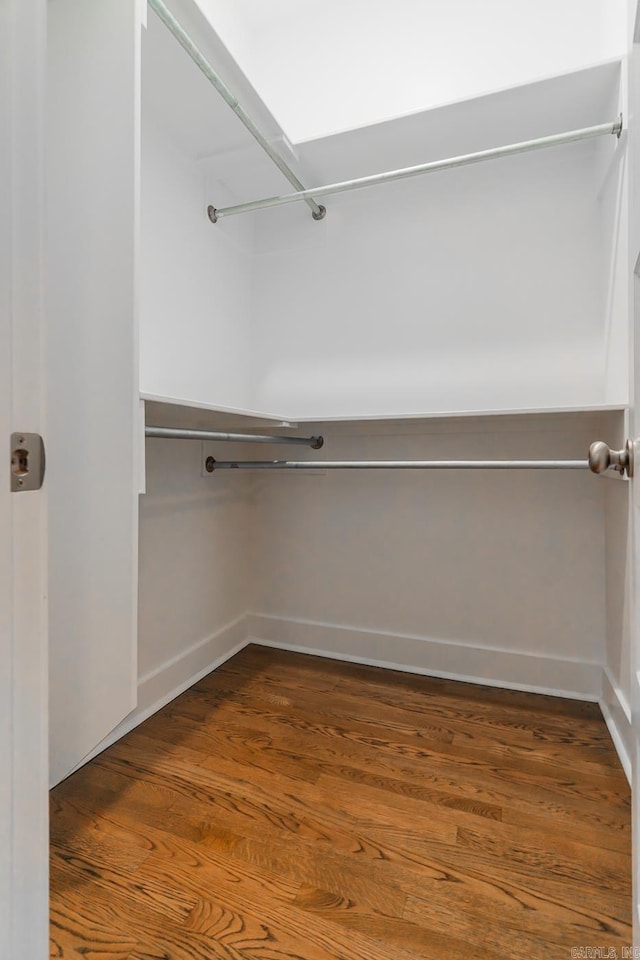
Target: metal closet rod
212,464
173,433
584,133
205,67
601,459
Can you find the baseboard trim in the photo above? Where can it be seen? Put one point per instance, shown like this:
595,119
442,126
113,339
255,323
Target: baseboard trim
165,683
580,680
427,656
617,716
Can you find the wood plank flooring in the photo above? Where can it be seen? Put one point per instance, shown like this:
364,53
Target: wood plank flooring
293,808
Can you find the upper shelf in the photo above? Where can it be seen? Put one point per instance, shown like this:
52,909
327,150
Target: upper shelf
191,415
469,414
171,412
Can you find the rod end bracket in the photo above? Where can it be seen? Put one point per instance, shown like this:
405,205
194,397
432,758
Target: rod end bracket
320,214
317,442
210,464
212,213
618,127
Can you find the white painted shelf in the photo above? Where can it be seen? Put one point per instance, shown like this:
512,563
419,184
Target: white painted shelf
473,414
171,412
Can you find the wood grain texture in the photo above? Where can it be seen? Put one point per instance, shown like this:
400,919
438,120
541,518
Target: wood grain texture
289,807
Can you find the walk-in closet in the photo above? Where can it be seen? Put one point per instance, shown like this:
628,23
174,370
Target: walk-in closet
341,305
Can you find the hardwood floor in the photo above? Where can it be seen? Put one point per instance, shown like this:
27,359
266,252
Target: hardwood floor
293,807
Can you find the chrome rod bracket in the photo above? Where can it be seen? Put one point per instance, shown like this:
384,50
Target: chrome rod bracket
320,214
602,458
212,213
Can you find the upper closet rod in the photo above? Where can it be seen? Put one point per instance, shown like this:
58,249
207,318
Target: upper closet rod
205,67
174,433
495,153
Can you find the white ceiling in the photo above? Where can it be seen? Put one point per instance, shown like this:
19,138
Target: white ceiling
247,17
325,66
254,13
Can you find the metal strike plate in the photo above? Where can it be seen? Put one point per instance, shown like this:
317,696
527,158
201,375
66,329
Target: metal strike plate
27,461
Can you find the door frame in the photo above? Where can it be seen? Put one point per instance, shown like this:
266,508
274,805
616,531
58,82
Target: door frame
23,517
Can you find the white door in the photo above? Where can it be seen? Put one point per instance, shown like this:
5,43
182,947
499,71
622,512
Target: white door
23,516
633,161
634,429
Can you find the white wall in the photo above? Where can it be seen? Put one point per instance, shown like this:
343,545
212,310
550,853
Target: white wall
92,369
195,284
619,236
618,572
196,567
491,575
476,289
613,201
494,576
196,572
323,67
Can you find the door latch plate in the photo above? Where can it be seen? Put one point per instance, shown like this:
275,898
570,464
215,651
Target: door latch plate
27,461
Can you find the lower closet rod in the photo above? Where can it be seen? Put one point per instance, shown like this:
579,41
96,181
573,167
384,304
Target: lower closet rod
602,459
175,433
211,464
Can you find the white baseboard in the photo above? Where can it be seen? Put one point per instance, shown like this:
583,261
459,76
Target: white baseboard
617,716
532,673
170,679
535,673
